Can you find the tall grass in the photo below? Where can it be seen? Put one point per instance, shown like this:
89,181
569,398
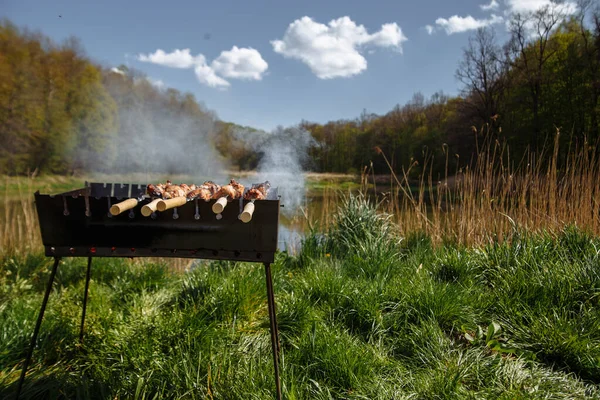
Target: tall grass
362,315
496,195
19,229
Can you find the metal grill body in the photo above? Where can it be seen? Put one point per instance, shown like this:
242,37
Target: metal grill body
78,224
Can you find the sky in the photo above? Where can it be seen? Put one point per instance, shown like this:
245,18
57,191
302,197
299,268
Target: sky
275,63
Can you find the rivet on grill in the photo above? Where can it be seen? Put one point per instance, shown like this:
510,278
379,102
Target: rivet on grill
52,249
237,253
173,251
133,249
93,250
193,251
131,214
215,253
113,249
72,250
219,216
175,215
258,255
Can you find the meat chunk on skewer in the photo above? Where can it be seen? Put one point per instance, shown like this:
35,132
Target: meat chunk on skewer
155,191
201,192
204,192
232,191
172,191
258,191
213,187
168,190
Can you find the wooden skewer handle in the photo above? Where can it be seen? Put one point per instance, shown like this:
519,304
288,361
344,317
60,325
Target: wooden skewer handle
164,205
246,215
149,208
118,208
219,205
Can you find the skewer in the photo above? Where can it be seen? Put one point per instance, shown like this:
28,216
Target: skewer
219,205
257,192
149,208
123,206
246,215
232,191
164,205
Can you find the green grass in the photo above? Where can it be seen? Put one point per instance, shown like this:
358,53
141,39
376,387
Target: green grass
362,315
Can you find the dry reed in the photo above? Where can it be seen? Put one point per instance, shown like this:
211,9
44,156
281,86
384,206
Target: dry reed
494,197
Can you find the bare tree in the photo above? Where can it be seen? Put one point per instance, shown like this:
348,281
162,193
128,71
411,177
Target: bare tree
482,73
529,49
591,55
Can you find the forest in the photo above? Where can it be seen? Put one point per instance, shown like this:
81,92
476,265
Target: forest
62,113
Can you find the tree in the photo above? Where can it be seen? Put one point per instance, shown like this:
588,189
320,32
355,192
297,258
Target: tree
482,72
529,48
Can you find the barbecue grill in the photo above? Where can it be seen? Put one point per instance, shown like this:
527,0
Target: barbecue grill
81,223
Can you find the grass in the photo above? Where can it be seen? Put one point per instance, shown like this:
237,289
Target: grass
362,315
483,202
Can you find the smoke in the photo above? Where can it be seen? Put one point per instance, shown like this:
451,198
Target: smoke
284,156
163,133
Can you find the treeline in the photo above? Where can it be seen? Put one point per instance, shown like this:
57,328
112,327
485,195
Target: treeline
544,79
62,113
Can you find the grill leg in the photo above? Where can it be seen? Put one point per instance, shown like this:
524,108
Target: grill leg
37,325
274,333
85,298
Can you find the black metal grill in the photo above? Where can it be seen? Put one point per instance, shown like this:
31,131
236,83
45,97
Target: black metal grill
78,224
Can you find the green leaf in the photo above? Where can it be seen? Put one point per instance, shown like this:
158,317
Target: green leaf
479,332
494,345
493,329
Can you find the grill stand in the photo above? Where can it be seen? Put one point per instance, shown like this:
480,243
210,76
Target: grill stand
270,304
85,298
274,330
37,325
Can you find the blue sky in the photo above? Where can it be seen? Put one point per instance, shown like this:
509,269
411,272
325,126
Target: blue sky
317,71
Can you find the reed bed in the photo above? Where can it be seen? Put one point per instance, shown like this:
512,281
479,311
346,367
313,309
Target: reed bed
19,229
497,195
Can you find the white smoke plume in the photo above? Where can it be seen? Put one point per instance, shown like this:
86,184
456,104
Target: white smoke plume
156,139
283,160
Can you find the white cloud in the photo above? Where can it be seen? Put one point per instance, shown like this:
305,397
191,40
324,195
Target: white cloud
456,24
528,6
489,7
244,63
117,71
206,75
430,29
334,50
176,59
237,63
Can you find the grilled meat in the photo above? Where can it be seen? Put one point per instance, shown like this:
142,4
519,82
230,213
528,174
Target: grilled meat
168,190
258,191
201,192
213,187
155,191
204,191
233,190
172,191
